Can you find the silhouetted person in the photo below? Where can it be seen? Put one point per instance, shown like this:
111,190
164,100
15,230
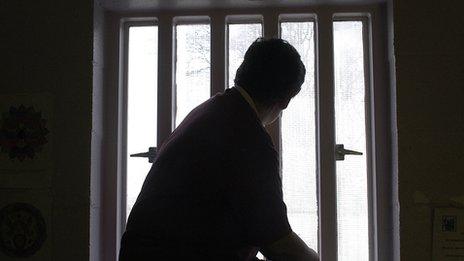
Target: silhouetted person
214,191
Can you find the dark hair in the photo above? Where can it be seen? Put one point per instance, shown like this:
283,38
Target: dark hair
271,71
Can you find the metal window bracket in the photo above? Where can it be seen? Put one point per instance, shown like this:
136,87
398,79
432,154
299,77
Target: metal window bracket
150,154
340,152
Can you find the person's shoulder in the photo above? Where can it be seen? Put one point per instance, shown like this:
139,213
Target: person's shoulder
225,112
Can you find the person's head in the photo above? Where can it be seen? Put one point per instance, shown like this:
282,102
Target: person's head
272,73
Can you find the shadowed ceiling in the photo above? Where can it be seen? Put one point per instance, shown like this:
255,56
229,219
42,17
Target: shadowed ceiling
138,5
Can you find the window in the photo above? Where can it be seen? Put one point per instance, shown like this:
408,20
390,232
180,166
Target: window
331,195
350,129
239,37
298,127
141,104
193,52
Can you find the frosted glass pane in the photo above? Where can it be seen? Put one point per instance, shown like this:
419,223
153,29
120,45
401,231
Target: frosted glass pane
142,105
299,141
240,38
193,64
350,124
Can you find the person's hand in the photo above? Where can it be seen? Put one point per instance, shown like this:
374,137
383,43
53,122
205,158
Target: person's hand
290,248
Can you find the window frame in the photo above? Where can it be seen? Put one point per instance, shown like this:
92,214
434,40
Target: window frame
365,19
122,151
296,18
380,184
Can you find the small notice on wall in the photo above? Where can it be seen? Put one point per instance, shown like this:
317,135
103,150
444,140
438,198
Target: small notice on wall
448,234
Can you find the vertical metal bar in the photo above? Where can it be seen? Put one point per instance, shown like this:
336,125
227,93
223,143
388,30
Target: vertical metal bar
218,53
326,138
110,177
370,139
124,106
271,30
165,77
381,154
122,131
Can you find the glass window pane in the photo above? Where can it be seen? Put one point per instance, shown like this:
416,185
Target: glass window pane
298,125
240,38
350,126
142,105
193,64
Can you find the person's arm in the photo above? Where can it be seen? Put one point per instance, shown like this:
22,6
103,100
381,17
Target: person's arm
289,248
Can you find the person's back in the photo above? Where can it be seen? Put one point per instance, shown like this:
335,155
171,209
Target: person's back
214,191
187,204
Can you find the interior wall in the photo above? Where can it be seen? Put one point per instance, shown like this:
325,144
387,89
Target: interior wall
46,54
428,40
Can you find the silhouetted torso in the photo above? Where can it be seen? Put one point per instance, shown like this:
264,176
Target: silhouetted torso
214,191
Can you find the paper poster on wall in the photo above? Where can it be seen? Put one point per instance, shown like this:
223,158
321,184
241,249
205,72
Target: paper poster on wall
448,234
26,132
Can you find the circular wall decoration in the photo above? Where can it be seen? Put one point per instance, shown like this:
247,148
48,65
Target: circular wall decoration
22,230
22,132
